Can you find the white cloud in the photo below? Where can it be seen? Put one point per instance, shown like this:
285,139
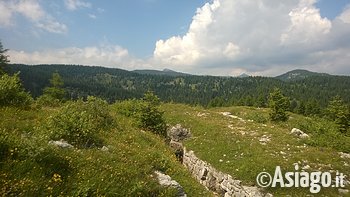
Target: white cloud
5,14
103,55
76,4
93,16
31,10
345,16
258,37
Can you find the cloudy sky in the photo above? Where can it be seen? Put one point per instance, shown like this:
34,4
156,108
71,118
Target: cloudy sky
211,37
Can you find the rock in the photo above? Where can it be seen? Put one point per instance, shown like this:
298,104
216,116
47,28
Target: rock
217,181
166,181
177,147
178,133
204,173
105,148
344,155
299,133
264,139
307,167
61,143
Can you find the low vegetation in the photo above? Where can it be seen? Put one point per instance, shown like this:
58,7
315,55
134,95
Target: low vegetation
248,143
31,166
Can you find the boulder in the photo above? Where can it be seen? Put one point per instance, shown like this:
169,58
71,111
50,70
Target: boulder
61,143
178,133
299,133
166,181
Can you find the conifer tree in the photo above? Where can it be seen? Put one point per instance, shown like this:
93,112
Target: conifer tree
279,104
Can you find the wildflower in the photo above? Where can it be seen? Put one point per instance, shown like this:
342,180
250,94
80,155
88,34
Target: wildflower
56,178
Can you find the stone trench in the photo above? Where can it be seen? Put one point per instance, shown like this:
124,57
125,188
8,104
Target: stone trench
214,180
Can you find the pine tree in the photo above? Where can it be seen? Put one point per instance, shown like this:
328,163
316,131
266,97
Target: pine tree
279,104
55,90
3,59
339,112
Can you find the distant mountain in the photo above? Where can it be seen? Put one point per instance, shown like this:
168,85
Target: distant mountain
299,74
243,75
166,72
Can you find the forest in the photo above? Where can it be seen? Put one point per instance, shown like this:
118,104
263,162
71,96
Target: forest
309,93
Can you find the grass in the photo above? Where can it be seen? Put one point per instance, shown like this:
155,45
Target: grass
232,145
29,166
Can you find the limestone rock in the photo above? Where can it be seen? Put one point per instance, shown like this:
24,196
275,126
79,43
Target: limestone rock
344,155
105,148
299,133
166,181
61,143
217,181
178,133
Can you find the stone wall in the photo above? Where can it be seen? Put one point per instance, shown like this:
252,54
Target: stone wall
221,183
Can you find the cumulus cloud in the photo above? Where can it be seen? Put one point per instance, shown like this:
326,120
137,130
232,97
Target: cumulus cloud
76,4
103,55
258,37
31,10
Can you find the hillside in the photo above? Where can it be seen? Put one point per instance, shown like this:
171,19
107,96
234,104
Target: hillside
116,84
239,141
166,72
246,143
124,166
299,74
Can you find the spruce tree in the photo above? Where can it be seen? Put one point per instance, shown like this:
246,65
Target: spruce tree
279,105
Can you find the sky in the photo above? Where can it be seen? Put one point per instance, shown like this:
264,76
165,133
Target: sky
204,37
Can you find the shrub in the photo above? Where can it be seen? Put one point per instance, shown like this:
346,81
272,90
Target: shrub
12,93
150,117
146,113
80,122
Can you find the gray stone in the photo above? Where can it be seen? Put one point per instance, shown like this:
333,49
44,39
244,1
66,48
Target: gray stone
166,181
299,133
204,173
178,133
61,143
105,148
344,155
218,182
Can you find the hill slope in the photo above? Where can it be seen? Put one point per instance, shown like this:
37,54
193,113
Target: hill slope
299,74
166,72
246,143
30,166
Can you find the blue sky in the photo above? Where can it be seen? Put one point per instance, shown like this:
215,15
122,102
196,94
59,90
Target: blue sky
216,37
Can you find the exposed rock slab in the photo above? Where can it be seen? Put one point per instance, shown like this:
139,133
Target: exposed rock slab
166,181
214,180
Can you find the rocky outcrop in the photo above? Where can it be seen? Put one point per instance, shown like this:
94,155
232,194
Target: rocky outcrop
216,181
177,134
299,133
61,143
166,181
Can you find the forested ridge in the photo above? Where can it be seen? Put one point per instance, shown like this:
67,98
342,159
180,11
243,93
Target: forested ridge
308,94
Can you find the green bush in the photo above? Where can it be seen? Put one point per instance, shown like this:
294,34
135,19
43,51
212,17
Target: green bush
12,92
146,113
80,122
128,108
150,117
